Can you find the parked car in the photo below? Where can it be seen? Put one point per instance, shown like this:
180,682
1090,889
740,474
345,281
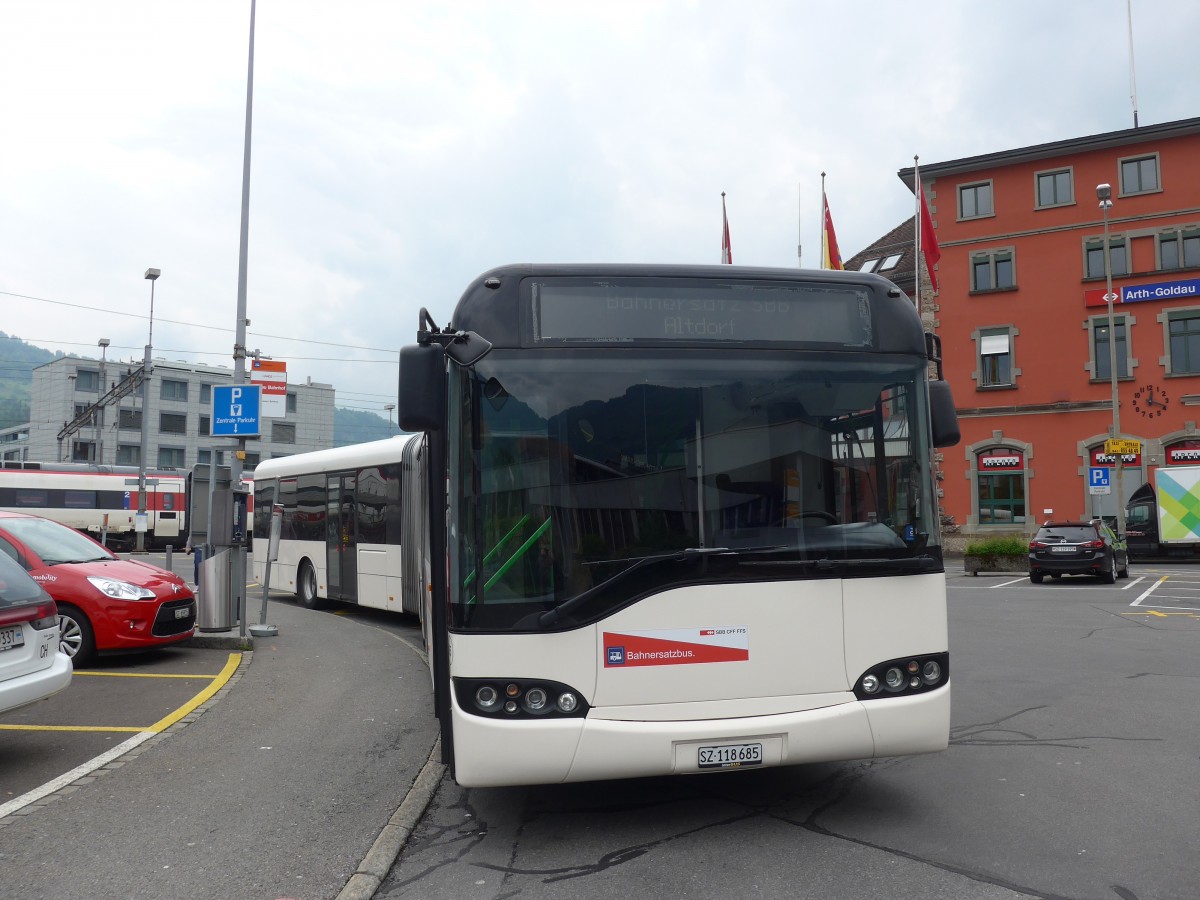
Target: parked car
1077,548
31,665
105,604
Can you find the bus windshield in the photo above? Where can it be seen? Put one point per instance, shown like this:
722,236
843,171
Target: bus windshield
587,479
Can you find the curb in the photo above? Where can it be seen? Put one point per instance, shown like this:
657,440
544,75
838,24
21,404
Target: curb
395,834
219,641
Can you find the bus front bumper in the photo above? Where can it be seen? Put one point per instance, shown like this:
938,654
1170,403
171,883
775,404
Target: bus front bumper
495,753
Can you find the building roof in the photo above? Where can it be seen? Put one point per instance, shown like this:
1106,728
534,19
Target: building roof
1052,150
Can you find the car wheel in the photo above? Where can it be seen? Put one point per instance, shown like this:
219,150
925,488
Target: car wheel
306,586
1109,575
1123,572
1035,577
75,635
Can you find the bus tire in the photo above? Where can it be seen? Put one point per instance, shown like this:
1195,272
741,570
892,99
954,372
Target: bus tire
306,586
75,635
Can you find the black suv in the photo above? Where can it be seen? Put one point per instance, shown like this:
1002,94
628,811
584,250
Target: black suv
1077,548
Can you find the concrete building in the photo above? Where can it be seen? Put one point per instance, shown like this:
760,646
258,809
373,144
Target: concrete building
179,404
1024,321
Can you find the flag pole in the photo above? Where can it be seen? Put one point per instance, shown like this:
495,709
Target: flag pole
799,225
917,229
824,213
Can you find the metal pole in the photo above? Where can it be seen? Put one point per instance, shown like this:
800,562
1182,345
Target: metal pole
147,367
104,342
238,568
1109,297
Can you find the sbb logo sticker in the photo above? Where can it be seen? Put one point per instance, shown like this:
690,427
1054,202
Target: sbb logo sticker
677,646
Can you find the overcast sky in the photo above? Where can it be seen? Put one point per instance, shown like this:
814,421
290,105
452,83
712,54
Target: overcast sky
399,149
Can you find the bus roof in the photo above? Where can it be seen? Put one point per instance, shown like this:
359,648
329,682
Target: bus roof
372,453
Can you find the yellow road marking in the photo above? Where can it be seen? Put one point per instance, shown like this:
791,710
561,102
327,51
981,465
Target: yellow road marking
143,675
97,728
217,682
1161,615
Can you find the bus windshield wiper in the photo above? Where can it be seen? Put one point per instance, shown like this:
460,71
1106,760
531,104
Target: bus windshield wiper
826,564
551,616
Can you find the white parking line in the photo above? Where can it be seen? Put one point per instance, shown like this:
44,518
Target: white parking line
1133,581
1150,590
1006,583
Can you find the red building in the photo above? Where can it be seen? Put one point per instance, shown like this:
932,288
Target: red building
1024,323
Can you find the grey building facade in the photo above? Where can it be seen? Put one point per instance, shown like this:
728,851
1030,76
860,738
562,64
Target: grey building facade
177,398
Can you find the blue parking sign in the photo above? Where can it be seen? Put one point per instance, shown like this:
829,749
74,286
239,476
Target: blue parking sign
1098,476
236,410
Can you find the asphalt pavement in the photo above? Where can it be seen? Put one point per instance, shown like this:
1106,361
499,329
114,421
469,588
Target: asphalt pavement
301,778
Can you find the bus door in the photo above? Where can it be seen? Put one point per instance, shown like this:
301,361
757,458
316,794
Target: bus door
341,541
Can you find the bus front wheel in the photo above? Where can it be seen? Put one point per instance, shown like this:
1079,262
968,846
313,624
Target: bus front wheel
306,586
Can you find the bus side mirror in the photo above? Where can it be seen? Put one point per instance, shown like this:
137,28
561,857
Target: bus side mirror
421,400
942,417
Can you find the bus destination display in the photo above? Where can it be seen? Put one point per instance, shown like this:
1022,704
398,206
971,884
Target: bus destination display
572,311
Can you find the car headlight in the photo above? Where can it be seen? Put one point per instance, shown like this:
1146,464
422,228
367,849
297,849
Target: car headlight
120,590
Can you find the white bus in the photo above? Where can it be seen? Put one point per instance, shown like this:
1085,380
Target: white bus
99,500
343,524
689,521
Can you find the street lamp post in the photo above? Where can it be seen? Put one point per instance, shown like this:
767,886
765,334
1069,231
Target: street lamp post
104,342
141,524
389,407
1104,195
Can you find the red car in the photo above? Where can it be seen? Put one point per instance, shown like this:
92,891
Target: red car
105,604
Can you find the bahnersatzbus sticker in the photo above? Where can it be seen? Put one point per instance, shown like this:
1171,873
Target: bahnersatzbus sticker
676,646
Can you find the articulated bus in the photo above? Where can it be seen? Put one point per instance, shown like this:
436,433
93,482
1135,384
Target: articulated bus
343,530
686,518
99,499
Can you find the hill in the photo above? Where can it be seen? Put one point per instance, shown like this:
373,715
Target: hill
17,362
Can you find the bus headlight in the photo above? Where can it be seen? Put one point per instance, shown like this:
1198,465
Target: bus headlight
903,677
486,698
518,698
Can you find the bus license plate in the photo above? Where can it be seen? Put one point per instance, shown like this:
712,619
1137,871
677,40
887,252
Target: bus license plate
730,756
12,637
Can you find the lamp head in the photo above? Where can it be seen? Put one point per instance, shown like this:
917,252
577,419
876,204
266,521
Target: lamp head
152,274
104,342
1104,195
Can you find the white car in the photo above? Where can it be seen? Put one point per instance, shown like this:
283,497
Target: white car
32,667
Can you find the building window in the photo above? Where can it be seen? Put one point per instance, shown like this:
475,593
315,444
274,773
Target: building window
1054,189
291,402
130,419
205,426
975,200
993,271
880,263
83,451
1101,355
172,423
1183,337
283,433
1094,257
1139,175
204,457
170,457
1000,495
174,390
253,459
129,455
206,393
87,381
1179,249
995,358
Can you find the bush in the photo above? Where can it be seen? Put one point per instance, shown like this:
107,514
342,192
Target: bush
999,546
